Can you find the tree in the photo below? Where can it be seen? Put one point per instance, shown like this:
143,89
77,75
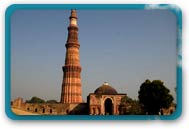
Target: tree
35,100
154,96
51,101
130,106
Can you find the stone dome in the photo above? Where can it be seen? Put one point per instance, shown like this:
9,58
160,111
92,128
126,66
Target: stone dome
105,89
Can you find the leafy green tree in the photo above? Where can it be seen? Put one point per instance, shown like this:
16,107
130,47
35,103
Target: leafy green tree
130,106
154,96
51,101
35,100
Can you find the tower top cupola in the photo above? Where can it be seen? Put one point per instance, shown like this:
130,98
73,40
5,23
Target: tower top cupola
73,18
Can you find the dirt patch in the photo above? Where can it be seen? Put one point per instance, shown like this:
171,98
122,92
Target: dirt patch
22,112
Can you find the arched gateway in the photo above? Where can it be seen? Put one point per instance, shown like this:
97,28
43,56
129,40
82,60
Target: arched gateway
104,101
108,106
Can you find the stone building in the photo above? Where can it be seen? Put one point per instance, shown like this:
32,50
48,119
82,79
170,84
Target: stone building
169,110
18,102
104,101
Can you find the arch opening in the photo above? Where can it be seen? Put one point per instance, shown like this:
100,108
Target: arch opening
108,106
50,111
43,110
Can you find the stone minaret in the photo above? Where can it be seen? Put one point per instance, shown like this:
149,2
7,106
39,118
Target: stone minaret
71,85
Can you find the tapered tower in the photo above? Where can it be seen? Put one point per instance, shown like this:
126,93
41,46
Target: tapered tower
71,84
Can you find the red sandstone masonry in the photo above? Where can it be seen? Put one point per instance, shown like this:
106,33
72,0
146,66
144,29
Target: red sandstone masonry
71,85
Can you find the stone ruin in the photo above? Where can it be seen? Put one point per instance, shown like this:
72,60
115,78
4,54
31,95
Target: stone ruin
50,109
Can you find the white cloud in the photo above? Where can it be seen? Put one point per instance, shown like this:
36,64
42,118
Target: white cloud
172,7
179,47
177,11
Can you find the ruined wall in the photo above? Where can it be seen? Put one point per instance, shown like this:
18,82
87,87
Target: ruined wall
51,109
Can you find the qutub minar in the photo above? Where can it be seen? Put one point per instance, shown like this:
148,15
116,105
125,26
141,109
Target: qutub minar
104,101
71,85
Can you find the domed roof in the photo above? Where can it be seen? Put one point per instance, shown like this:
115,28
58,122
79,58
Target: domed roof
105,89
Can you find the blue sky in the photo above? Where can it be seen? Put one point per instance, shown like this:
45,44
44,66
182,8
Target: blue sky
121,47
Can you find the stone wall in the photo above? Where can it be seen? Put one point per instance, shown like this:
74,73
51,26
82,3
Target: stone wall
51,109
18,103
